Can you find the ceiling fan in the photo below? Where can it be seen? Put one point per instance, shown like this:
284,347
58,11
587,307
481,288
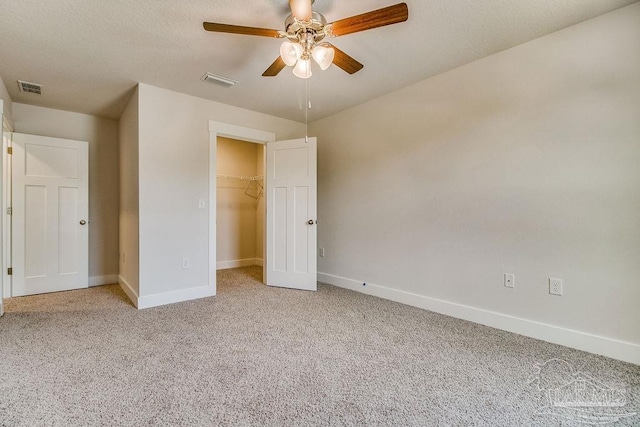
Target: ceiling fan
305,31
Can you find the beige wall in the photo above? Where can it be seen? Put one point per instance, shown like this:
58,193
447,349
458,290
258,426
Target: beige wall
7,104
129,213
236,211
524,162
102,135
173,176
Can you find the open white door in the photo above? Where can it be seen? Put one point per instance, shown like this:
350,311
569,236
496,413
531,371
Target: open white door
291,188
50,234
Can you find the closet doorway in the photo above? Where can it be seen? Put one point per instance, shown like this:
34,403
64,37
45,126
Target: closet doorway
240,203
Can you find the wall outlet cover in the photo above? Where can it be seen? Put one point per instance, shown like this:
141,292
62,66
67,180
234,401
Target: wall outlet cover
555,286
509,280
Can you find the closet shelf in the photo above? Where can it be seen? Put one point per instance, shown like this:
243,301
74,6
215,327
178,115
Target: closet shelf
242,178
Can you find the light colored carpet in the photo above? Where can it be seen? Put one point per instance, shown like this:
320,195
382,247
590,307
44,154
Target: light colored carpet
255,355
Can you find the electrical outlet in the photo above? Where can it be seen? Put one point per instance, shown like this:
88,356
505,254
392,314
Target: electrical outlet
202,203
509,280
321,252
185,263
555,286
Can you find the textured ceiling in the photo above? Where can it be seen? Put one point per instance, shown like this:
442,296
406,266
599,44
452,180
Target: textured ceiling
89,54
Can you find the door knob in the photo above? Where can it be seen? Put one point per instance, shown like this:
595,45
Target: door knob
83,222
310,222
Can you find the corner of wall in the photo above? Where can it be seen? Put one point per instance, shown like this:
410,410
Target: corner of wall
129,291
7,104
128,253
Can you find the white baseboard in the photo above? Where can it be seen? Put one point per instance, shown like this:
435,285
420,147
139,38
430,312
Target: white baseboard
148,301
126,287
621,350
109,279
235,263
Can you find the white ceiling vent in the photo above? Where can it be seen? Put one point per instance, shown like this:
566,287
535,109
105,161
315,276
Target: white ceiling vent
219,80
27,87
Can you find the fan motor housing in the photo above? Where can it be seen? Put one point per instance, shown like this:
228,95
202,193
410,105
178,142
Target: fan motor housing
317,26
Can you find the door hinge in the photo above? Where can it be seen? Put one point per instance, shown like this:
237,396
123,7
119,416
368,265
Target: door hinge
9,211
9,271
10,150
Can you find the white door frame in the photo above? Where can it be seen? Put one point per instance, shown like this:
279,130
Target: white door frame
242,133
5,203
2,183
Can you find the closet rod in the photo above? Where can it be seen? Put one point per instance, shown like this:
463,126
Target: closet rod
243,178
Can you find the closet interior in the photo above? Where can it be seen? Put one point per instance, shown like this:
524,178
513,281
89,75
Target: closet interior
240,203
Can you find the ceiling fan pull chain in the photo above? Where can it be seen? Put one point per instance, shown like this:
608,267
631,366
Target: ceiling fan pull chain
306,110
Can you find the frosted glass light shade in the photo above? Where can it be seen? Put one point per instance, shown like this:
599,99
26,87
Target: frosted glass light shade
323,56
303,69
290,53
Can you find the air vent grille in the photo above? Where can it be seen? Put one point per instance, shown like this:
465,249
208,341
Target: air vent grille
27,87
219,80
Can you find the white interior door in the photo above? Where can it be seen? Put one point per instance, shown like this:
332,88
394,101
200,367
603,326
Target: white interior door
50,232
291,188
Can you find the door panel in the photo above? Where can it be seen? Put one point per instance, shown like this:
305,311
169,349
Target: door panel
50,209
45,161
291,204
279,253
35,231
68,230
301,228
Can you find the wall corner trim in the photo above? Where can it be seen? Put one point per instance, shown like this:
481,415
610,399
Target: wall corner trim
155,300
620,350
108,279
235,263
126,287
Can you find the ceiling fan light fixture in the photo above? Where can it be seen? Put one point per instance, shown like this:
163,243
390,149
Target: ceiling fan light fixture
323,55
303,69
305,29
290,53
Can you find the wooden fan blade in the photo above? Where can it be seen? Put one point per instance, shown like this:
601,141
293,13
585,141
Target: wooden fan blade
275,68
346,62
366,21
301,9
237,29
